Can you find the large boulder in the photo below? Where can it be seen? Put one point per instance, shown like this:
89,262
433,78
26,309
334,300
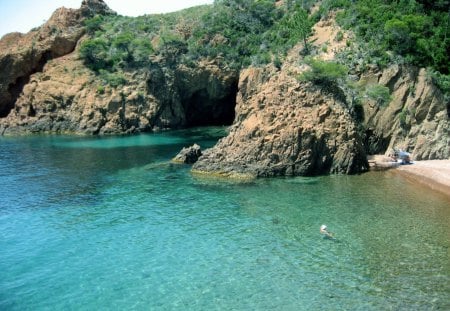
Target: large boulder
188,155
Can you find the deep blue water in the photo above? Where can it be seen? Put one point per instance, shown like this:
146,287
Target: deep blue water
110,224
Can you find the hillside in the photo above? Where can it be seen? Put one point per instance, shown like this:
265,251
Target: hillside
307,89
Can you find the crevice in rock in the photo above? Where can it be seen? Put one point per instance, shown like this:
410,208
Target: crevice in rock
16,88
374,144
31,111
202,110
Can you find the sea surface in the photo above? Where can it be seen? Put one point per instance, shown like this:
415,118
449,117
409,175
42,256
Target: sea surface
89,223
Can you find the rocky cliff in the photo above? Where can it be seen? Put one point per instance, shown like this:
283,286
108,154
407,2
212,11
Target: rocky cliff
416,120
45,87
280,126
22,55
284,127
66,97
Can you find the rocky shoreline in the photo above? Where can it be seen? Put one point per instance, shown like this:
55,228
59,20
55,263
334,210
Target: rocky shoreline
280,125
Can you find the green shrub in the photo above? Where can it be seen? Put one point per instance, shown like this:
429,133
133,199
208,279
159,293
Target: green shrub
379,93
300,26
412,90
277,62
95,54
141,50
114,79
442,81
323,72
100,89
416,30
403,119
93,24
339,36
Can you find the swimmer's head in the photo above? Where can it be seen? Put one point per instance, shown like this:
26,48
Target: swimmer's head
323,227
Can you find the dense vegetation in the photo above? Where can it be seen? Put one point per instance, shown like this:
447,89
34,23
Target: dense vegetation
403,31
240,33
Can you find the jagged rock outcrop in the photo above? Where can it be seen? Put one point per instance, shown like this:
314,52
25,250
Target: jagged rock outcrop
45,87
24,54
188,155
416,120
68,97
283,127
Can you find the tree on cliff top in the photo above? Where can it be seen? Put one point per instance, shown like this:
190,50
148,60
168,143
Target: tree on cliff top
300,26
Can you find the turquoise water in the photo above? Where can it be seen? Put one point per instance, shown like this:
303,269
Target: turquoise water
110,224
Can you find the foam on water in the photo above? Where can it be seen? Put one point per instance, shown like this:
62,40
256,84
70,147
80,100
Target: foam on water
90,223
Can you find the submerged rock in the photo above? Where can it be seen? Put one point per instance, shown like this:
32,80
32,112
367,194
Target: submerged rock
188,155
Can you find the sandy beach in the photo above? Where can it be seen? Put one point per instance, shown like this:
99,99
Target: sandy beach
434,174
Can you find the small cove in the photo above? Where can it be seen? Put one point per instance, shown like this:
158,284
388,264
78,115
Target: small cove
110,223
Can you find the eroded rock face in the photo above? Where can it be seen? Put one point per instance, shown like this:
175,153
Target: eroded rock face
416,120
282,128
286,128
66,97
208,93
44,87
24,54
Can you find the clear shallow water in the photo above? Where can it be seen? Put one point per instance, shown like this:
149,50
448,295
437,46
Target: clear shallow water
108,223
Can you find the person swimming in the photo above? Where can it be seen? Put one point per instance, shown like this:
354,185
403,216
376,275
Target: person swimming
325,232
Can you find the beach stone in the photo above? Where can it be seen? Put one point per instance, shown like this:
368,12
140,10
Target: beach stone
188,155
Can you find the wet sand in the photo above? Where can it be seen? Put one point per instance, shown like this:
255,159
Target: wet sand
434,174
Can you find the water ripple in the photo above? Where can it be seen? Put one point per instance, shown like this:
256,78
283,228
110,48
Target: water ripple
113,232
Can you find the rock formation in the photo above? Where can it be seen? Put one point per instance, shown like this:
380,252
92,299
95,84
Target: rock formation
188,155
45,87
415,120
68,97
283,127
22,55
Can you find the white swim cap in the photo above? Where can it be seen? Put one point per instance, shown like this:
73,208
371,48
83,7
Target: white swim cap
323,227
